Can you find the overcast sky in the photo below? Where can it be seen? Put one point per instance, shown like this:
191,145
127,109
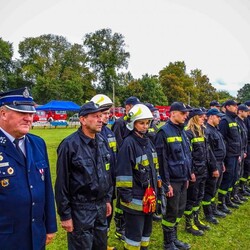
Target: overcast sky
211,35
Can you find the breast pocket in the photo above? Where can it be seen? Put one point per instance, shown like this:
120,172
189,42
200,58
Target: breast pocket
7,180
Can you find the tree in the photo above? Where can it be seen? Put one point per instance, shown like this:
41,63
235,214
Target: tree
223,95
56,68
106,55
147,89
244,93
6,64
205,91
177,84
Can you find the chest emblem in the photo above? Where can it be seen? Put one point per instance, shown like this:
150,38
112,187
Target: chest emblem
10,170
5,182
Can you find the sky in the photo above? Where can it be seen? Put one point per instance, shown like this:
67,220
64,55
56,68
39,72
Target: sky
210,35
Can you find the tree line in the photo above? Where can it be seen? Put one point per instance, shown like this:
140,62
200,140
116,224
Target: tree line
55,69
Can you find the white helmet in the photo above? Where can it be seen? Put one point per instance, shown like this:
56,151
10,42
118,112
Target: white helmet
102,100
138,112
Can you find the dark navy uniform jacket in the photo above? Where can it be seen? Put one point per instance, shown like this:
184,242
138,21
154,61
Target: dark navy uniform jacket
173,150
110,139
120,130
137,165
216,142
83,176
230,130
27,210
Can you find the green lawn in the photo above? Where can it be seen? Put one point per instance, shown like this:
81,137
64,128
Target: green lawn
233,232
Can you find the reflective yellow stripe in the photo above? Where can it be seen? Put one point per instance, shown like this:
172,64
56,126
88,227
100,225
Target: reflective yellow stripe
107,165
113,146
188,212
124,184
232,124
220,191
174,139
134,204
206,203
151,130
118,210
198,139
124,181
167,223
129,247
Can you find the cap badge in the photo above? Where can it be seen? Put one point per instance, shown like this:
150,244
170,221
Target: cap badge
26,93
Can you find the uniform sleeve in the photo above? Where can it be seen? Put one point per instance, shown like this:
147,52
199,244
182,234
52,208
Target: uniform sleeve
223,128
124,172
161,149
62,182
212,162
118,130
50,212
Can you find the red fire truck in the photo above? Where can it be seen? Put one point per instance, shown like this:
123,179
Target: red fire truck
164,112
56,115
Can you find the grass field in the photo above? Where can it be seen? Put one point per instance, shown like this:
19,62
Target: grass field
233,232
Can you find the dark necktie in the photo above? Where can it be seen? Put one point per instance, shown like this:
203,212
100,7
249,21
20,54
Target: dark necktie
16,142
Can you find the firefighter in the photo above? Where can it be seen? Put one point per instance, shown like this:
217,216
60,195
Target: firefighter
218,151
173,150
105,104
121,131
230,131
151,134
83,187
244,189
200,160
136,179
242,115
215,104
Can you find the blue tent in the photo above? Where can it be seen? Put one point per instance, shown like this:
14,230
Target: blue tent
59,106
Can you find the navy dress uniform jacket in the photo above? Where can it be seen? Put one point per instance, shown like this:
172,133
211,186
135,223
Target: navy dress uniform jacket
27,210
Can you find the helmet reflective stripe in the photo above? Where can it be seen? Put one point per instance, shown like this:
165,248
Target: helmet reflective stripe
138,112
102,100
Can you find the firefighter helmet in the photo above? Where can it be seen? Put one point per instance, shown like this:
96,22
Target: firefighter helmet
138,112
103,101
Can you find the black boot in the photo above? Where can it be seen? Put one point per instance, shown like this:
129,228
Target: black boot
191,227
178,243
156,217
222,204
168,243
242,198
120,226
209,214
234,195
229,202
243,189
216,212
199,223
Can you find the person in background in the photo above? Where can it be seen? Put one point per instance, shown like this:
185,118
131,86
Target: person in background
230,131
242,115
105,103
218,153
200,162
215,104
83,188
173,150
121,131
27,211
152,130
119,127
244,187
136,179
